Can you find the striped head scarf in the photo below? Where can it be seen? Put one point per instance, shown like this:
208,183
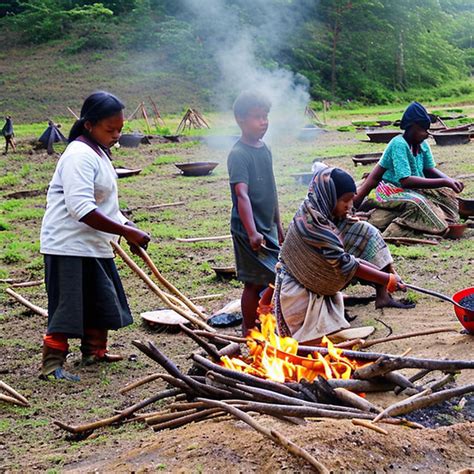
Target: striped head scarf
315,223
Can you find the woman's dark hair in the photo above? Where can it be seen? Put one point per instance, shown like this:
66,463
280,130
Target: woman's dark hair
97,106
343,182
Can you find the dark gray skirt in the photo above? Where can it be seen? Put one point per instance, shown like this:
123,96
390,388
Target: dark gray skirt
84,292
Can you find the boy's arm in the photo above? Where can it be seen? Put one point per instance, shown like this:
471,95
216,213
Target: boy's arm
246,215
370,183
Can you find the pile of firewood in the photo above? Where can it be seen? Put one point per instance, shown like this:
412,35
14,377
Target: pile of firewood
192,119
210,390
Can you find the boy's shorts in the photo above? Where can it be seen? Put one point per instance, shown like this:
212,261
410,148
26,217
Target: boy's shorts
255,267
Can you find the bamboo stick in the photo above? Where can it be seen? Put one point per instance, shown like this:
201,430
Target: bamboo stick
151,284
272,434
36,309
373,342
204,239
14,393
370,425
149,262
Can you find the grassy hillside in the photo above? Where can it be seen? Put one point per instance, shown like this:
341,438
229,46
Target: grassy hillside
40,82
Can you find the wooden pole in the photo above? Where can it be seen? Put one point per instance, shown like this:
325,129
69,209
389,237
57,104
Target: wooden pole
151,284
274,435
14,393
27,303
204,239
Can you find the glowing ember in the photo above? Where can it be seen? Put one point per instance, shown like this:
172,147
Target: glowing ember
274,357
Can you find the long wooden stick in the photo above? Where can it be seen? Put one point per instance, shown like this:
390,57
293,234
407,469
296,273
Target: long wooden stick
36,309
210,349
12,400
204,239
370,425
274,435
407,335
138,383
155,288
73,113
25,284
149,262
75,429
13,392
409,240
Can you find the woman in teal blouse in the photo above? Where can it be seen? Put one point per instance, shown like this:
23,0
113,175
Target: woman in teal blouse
411,195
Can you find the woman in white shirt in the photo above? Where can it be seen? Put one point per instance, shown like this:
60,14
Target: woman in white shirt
85,295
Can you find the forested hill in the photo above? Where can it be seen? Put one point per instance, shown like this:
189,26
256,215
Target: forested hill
196,51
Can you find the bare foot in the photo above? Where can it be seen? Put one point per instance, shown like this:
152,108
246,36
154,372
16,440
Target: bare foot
389,302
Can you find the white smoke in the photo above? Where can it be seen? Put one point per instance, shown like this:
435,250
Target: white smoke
235,46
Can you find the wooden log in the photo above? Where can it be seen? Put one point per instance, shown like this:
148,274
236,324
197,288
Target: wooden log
26,284
161,417
149,262
138,383
36,309
184,420
224,337
210,349
229,350
356,401
370,425
437,384
151,284
204,239
272,434
414,378
12,400
245,378
362,386
76,429
381,340
14,393
399,380
409,240
387,364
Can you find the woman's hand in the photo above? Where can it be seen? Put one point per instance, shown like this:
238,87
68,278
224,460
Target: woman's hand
135,237
455,185
395,283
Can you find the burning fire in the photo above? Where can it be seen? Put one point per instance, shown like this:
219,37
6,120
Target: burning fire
275,358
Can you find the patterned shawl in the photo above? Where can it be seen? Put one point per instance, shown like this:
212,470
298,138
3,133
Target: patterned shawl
314,222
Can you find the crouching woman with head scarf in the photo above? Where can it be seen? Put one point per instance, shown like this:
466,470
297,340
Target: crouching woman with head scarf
323,252
412,197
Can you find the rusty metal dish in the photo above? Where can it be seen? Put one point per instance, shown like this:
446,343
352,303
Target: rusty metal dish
382,136
226,273
453,138
456,231
125,172
366,158
198,168
466,207
131,140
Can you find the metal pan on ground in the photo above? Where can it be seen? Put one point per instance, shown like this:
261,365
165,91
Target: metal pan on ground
125,172
198,168
382,136
456,231
466,207
163,317
366,158
463,297
454,138
225,273
131,140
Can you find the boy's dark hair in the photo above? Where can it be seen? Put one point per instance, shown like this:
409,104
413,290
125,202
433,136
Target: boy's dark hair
97,106
249,100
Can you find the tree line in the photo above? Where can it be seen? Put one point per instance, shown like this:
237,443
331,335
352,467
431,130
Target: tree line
365,50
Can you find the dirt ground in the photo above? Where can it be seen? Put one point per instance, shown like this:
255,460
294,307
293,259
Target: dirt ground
29,440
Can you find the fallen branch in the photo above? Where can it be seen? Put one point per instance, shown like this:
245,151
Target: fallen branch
36,309
272,434
204,239
405,336
370,425
14,393
76,429
138,383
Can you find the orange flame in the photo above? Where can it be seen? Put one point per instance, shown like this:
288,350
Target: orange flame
275,358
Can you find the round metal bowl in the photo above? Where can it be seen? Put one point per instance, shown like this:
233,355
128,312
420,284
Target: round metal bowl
125,172
382,136
198,168
453,138
456,231
225,273
130,140
466,207
366,158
